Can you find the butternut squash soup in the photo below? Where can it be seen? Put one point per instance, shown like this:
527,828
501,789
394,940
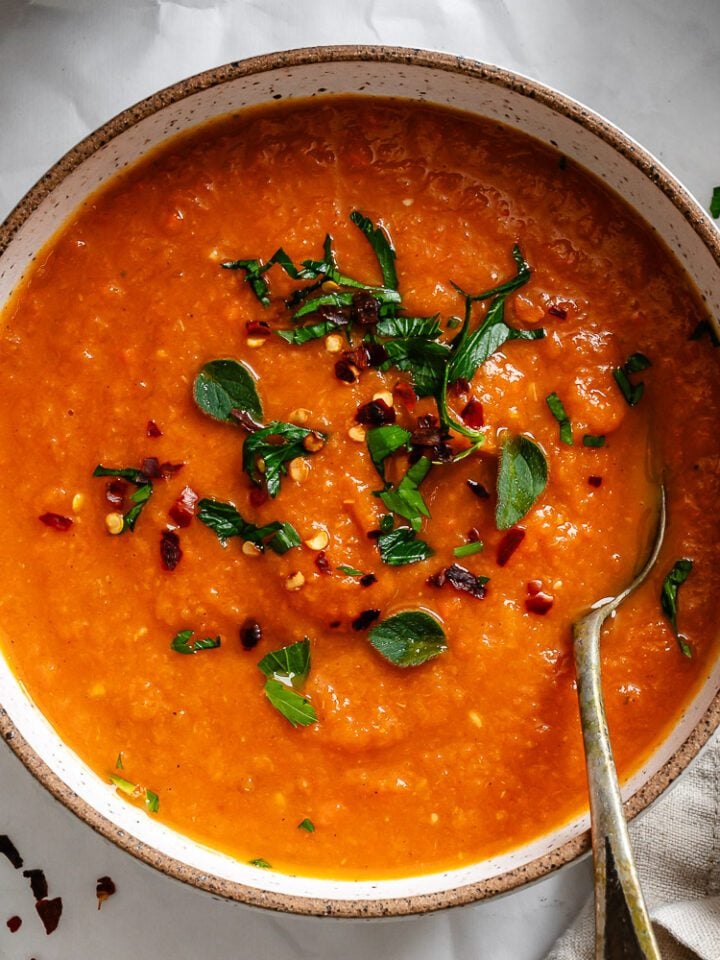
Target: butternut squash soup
326,422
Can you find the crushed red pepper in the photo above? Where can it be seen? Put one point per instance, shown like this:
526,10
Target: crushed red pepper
104,889
509,544
56,521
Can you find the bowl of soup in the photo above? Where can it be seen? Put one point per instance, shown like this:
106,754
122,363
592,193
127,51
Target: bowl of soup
338,384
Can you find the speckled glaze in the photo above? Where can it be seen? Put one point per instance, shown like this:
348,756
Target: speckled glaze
371,71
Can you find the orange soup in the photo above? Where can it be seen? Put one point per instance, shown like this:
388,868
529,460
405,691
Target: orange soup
327,421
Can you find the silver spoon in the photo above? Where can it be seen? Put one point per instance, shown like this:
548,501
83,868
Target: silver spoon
622,926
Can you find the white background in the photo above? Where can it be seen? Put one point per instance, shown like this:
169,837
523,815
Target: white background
66,66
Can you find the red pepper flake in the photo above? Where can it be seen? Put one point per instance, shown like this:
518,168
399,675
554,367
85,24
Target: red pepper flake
56,521
258,328
170,552
152,469
461,386
322,562
461,579
115,491
557,312
365,308
8,848
335,624
183,510
473,414
479,490
539,603
430,440
534,587
509,544
250,634
365,619
258,496
595,481
375,413
473,535
104,889
346,371
404,393
38,883
14,924
367,580
152,429
49,912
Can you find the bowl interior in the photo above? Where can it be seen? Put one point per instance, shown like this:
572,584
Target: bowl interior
486,91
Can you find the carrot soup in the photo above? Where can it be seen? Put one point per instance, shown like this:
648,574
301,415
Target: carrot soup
327,421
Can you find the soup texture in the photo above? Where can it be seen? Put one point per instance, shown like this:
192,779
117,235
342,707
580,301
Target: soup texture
294,541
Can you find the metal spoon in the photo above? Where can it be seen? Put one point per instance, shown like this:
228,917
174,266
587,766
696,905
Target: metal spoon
622,926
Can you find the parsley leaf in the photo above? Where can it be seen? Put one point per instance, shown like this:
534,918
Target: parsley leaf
350,571
222,386
291,663
632,392
261,863
558,411
285,670
224,519
139,499
406,500
295,708
521,479
383,441
476,347
409,639
590,440
401,546
669,599
276,445
382,247
182,642
521,277
428,328
312,331
307,825
424,359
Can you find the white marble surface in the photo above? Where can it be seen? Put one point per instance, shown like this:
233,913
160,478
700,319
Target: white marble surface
650,66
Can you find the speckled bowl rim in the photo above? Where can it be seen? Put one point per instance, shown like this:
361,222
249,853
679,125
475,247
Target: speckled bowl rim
623,145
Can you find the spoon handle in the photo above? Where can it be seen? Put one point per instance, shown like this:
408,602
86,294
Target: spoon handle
622,924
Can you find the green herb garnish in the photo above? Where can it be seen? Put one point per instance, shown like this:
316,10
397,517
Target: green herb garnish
715,203
426,328
276,445
311,331
140,496
289,663
307,825
222,386
350,571
384,441
119,762
261,863
632,392
669,599
522,477
382,246
409,639
182,642
152,801
406,500
558,411
425,360
589,440
401,546
468,549
224,519
287,669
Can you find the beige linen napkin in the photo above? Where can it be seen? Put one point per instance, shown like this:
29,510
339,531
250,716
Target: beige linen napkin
677,846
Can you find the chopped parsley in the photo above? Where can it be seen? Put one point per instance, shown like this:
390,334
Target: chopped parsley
402,546
224,386
267,452
409,639
632,392
307,825
591,440
522,477
715,203
224,519
182,642
669,599
558,411
468,549
136,792
286,670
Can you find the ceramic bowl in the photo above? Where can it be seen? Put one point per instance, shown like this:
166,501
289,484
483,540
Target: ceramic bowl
430,77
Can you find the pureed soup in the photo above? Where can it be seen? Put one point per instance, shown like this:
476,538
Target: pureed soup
327,421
